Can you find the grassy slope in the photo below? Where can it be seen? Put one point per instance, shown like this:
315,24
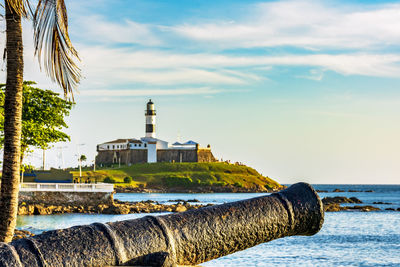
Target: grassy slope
168,175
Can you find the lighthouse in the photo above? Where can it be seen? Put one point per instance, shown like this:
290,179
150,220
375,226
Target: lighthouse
150,120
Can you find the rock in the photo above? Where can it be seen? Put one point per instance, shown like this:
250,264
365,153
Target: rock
354,191
369,191
180,208
25,210
355,200
134,209
398,209
384,203
41,210
18,234
337,190
364,208
322,191
331,200
101,207
390,209
116,207
332,207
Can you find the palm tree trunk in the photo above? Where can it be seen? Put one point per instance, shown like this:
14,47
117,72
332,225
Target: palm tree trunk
12,125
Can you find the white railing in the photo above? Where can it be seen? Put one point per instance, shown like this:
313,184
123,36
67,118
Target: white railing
64,187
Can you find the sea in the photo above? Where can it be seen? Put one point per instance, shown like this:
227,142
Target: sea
347,238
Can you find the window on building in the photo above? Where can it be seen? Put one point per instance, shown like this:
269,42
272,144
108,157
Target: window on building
135,144
145,145
108,147
140,145
113,146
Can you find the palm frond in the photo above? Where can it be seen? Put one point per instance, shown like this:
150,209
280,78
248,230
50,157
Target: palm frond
21,7
52,42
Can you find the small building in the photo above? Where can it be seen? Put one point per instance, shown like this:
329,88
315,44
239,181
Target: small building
151,149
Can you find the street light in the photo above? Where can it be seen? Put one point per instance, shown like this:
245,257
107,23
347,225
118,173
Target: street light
80,161
61,156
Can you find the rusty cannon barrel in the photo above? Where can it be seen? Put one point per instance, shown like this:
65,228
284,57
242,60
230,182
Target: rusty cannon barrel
187,238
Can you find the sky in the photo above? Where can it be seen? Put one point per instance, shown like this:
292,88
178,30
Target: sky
299,90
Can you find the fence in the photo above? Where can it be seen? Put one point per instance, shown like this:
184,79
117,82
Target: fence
63,187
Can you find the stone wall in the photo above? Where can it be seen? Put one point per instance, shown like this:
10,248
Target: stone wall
137,156
205,155
128,156
163,155
174,155
65,198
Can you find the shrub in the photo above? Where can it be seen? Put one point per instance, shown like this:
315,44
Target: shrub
177,181
237,184
268,186
128,180
109,180
220,183
207,183
218,176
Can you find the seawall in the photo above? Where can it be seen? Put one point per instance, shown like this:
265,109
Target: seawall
66,198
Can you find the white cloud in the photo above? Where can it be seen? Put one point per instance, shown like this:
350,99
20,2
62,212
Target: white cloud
152,92
307,24
97,29
314,74
310,24
156,67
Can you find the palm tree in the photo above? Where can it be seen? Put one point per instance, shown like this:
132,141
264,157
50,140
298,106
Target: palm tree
52,44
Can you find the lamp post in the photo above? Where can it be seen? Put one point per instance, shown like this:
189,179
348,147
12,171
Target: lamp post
80,161
61,156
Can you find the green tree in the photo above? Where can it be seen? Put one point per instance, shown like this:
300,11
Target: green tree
128,180
83,158
43,113
52,44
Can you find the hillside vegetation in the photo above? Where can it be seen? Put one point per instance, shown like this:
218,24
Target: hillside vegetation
184,177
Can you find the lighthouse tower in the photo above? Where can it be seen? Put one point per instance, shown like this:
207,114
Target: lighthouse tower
150,120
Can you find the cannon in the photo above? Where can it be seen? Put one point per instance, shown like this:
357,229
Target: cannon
186,238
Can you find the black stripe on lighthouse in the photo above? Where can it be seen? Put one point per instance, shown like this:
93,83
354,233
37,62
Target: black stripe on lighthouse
150,128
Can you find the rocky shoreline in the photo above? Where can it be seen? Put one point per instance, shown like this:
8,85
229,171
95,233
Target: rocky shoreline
114,207
332,204
199,189
340,191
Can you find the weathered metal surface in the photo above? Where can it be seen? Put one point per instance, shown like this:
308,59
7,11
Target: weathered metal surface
186,238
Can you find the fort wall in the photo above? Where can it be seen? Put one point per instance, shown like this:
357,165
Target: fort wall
128,156
131,156
205,155
176,155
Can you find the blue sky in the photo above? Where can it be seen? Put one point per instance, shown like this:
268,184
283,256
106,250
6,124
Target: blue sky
299,90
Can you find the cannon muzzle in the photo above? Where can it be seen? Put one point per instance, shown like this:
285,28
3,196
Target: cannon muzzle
187,238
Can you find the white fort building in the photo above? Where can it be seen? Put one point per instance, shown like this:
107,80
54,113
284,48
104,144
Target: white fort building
150,149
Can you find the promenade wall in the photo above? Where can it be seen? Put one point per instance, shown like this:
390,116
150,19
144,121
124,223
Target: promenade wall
66,198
